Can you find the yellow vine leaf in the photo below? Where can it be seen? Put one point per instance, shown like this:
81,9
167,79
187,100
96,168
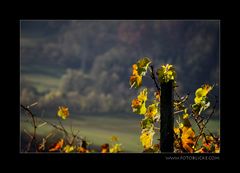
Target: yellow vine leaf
134,68
138,71
142,65
188,139
63,112
116,148
166,73
68,148
185,115
202,92
138,104
114,138
152,111
147,138
143,95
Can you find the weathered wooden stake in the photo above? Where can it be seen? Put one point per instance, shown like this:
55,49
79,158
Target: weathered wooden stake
167,119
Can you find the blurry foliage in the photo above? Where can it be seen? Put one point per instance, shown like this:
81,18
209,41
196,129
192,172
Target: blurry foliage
98,55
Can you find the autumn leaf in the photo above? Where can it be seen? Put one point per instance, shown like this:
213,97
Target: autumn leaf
135,81
166,73
63,112
82,150
57,146
177,131
116,148
143,95
142,66
135,78
68,148
185,115
206,89
105,148
138,104
114,138
152,111
188,139
138,71
181,125
157,95
134,69
147,138
201,93
147,123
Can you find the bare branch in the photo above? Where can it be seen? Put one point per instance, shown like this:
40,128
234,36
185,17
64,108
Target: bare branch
34,126
206,122
154,78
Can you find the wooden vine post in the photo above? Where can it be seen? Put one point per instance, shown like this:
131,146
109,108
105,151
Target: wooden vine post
167,119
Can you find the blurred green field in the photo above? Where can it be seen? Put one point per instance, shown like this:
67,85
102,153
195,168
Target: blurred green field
213,126
99,130
41,82
42,78
45,70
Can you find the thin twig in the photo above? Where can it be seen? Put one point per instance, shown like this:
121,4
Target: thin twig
55,126
177,94
61,128
154,78
156,128
206,122
65,131
75,136
195,119
178,112
27,133
34,126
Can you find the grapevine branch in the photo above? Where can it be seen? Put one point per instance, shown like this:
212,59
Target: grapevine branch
61,128
64,130
33,137
206,122
154,77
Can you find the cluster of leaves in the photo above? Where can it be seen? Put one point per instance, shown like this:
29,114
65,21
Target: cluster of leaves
185,138
166,73
138,71
151,112
69,143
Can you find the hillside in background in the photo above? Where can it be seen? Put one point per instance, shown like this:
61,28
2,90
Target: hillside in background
86,64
